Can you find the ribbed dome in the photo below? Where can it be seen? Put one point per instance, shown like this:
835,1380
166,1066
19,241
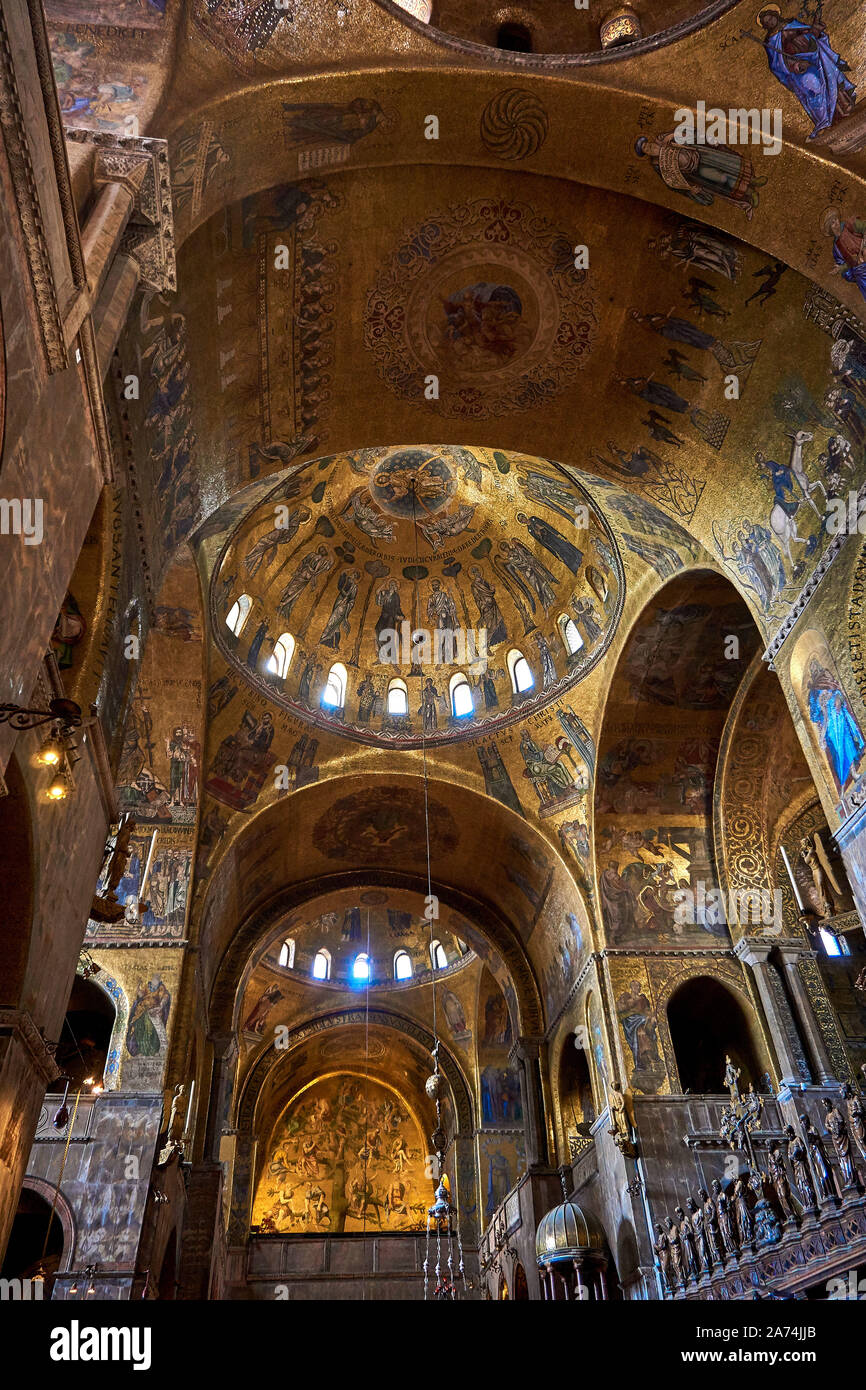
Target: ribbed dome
566,1234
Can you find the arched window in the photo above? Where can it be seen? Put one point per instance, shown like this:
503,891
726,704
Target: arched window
361,967
334,694
462,703
398,698
438,956
238,614
519,670
287,953
321,966
707,1024
570,635
85,1037
402,966
281,660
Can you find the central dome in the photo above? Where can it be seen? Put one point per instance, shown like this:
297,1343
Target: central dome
362,589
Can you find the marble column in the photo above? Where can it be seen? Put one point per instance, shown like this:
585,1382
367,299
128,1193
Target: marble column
755,954
527,1052
791,953
222,1083
101,233
115,302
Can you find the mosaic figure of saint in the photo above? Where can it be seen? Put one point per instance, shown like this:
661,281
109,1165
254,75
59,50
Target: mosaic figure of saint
528,573
266,547
391,615
316,563
148,1018
338,623
830,712
801,58
552,540
703,172
849,247
441,608
489,613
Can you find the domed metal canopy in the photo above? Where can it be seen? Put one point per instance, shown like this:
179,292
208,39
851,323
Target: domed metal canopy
566,1234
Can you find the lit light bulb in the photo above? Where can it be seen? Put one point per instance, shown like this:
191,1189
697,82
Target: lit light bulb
51,752
58,790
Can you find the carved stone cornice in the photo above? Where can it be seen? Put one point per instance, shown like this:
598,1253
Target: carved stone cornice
17,1024
141,165
29,208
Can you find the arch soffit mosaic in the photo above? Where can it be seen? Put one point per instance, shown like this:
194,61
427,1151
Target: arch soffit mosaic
271,1059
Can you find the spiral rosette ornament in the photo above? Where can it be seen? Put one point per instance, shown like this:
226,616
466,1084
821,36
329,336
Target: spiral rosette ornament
514,124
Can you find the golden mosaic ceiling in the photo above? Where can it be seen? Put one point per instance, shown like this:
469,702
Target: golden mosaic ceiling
415,565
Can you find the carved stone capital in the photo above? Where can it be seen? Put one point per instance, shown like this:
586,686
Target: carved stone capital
753,951
526,1049
17,1024
141,165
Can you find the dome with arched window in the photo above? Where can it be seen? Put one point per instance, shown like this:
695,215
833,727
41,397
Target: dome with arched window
370,937
410,645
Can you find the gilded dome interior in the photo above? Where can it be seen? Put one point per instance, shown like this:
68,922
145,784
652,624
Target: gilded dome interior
409,569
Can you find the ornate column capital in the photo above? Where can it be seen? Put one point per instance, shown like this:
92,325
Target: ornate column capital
526,1049
139,164
18,1025
792,951
753,950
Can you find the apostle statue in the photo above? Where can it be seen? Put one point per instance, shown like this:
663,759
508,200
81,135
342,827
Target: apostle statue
856,1117
702,1244
691,1263
838,1132
711,1226
676,1252
779,1178
800,1166
818,1160
726,1229
741,1209
662,1248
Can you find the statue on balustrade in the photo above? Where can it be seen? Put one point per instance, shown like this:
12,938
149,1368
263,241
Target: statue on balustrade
818,1159
856,1117
691,1263
726,1225
741,1210
702,1245
779,1178
676,1252
662,1247
798,1159
711,1226
838,1132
